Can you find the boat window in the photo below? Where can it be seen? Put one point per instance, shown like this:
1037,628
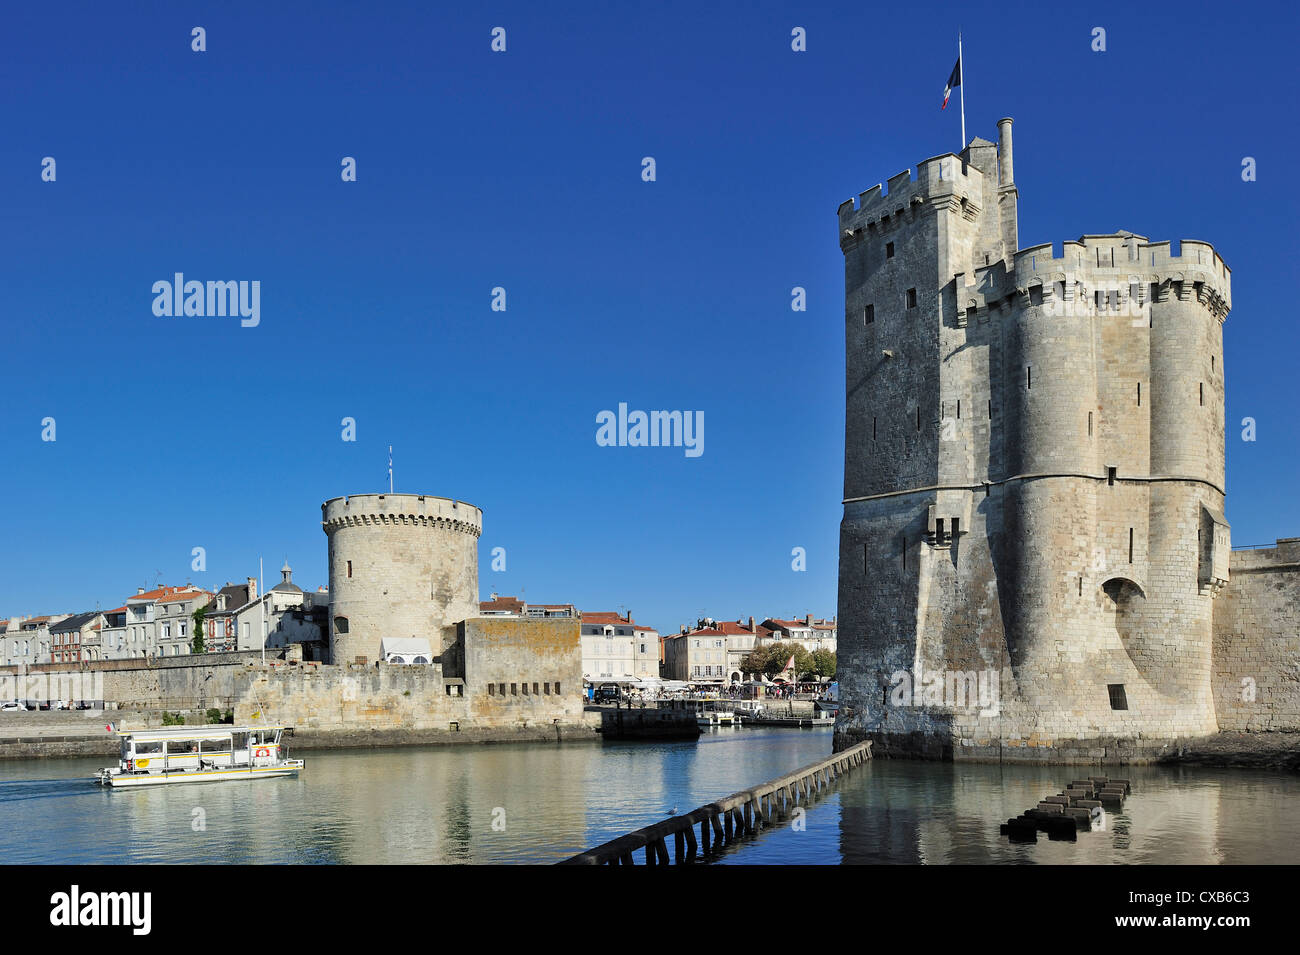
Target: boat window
148,747
216,746
126,748
182,747
241,741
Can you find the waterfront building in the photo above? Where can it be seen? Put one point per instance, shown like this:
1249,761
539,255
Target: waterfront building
697,656
174,620
113,636
239,618
221,634
616,649
27,640
70,638
809,633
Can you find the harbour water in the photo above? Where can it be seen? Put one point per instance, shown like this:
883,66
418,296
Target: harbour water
516,803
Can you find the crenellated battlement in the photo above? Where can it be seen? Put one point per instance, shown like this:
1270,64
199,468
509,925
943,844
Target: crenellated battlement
415,510
1125,268
945,181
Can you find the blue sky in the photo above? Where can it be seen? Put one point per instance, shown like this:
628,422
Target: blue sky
522,170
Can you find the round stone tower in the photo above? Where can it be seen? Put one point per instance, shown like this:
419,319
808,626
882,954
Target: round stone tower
400,565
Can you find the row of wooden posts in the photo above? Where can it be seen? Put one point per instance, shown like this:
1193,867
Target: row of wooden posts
723,821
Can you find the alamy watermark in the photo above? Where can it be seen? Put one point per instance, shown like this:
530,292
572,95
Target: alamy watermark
947,689
211,300
654,429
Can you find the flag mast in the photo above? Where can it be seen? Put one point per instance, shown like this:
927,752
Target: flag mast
390,469
962,87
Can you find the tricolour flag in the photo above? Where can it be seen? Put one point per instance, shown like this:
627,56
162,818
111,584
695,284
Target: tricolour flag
110,727
790,663
954,80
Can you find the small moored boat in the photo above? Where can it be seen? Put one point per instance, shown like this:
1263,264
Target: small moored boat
195,754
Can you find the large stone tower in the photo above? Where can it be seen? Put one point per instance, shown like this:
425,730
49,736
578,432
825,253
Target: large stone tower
401,565
1033,476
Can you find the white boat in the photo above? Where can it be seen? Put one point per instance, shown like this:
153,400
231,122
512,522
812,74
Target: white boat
197,754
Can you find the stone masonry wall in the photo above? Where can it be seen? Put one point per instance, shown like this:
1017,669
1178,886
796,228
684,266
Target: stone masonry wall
538,662
1257,641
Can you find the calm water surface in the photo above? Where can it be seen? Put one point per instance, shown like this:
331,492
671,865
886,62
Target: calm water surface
529,803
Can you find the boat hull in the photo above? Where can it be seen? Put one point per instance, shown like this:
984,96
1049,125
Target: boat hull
137,780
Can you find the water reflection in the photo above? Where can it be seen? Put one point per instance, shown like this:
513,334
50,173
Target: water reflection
530,803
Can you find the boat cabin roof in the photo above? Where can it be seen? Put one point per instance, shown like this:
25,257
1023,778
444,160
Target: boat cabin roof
193,732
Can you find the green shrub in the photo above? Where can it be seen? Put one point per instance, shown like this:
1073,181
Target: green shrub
214,715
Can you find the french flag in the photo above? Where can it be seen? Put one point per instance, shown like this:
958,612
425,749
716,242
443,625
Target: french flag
954,80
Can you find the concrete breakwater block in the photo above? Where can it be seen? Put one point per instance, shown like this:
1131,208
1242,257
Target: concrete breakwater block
1021,829
1076,808
1082,818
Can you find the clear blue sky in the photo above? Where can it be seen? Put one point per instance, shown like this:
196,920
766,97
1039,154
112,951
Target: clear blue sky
522,170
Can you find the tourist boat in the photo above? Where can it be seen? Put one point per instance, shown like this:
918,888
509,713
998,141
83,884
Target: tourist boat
194,754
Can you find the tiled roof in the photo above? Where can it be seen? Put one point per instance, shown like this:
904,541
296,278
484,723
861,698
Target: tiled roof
181,595
513,604
157,596
605,616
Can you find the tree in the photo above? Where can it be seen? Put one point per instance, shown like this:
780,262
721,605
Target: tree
778,655
824,663
197,645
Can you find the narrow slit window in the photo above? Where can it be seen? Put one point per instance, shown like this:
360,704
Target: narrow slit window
990,409
349,568
873,427
866,557
868,315
889,250
1139,394
1110,476
1090,424
1202,387
918,417
1130,545
911,298
1081,586
959,408
1029,377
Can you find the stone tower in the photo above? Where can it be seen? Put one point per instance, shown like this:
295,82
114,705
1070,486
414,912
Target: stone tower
1033,476
400,565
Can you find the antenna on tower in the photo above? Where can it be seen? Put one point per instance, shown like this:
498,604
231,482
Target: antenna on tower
390,469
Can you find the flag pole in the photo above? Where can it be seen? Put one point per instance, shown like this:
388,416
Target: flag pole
961,86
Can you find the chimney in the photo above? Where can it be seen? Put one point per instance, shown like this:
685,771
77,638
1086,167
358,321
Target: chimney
751,623
808,620
139,590
252,589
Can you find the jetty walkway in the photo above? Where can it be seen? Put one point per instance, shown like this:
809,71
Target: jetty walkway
723,821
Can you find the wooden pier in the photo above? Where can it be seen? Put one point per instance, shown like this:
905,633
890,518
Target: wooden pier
721,822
